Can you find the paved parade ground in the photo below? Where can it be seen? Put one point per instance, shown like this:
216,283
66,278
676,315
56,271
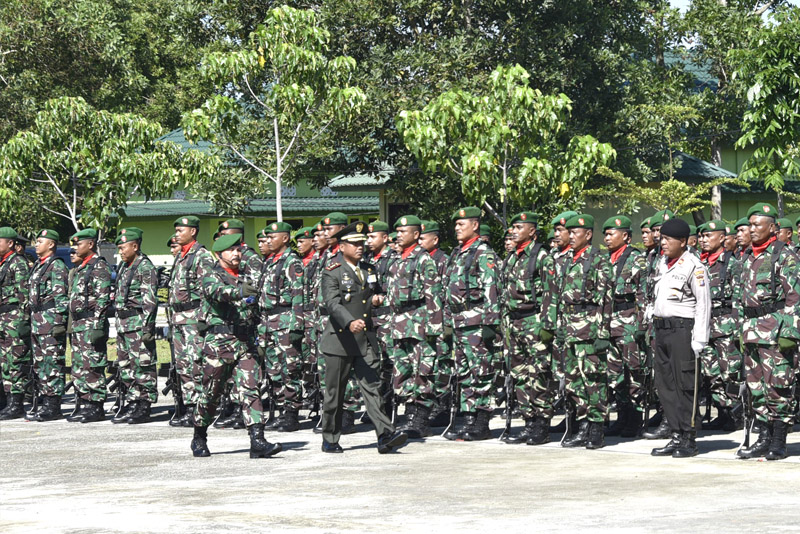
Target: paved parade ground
74,478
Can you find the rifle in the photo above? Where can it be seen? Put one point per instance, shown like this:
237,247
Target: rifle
648,382
454,401
117,385
34,387
511,399
747,414
173,381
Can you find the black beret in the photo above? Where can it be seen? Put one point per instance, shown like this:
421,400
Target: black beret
677,228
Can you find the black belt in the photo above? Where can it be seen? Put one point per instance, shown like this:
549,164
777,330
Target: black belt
622,306
664,323
5,308
573,308
521,314
128,313
722,310
44,307
241,332
278,309
462,307
82,315
759,311
381,310
186,306
410,306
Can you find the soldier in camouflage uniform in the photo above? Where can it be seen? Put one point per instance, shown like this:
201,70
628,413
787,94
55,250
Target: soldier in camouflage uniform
626,365
785,231
280,302
583,321
472,314
414,299
136,305
304,237
743,241
228,302
89,301
14,326
185,299
722,360
530,313
769,308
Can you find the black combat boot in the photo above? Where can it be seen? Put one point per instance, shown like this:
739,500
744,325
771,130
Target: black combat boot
761,446
348,422
662,432
125,414
410,411
633,425
14,408
260,447
275,422
580,438
670,447
523,435
688,445
595,438
290,422
440,415
227,419
540,433
419,428
177,418
141,414
51,409
561,427
3,398
777,446
480,429
457,431
200,442
93,413
623,414
77,413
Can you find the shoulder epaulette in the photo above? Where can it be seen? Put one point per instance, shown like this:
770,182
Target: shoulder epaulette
333,266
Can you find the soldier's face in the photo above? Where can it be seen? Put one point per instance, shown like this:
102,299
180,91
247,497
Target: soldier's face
376,241
614,239
185,234
673,247
231,257
656,233
785,234
352,252
320,241
228,231
83,248
761,229
19,247
509,244
712,241
693,241
561,236
407,236
263,246
579,238
304,245
429,241
277,242
127,251
730,242
522,232
743,236
647,237
6,245
174,249
331,230
466,229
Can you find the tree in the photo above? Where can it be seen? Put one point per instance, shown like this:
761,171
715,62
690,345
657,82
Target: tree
92,162
281,100
507,143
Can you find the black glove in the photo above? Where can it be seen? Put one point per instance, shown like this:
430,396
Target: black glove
488,333
601,346
295,336
432,339
148,336
59,330
96,335
640,335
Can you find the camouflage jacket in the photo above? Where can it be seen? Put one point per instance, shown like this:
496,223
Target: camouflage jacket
13,292
441,260
527,283
185,291
310,278
280,295
48,298
769,311
414,297
584,312
135,298
470,287
382,266
90,295
627,281
330,256
225,314
724,284
250,268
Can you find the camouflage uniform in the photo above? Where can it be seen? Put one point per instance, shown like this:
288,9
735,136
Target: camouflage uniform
136,305
560,259
14,324
309,349
89,299
444,366
381,316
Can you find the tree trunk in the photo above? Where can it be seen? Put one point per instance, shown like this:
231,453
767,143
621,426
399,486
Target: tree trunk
716,191
699,218
781,205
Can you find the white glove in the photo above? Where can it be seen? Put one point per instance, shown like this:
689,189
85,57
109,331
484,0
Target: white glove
648,313
698,346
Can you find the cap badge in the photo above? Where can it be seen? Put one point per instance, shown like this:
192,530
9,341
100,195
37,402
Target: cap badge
523,217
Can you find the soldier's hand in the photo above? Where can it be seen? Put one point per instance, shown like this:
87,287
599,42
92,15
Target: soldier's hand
546,336
377,300
786,345
697,347
357,326
148,336
601,346
249,290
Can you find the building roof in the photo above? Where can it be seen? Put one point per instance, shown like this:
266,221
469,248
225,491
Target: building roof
176,136
170,208
694,169
371,181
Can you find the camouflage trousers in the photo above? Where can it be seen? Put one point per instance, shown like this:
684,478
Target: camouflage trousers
474,363
283,366
531,373
224,356
311,384
352,395
137,365
49,363
444,368
585,373
88,366
387,356
15,355
627,371
187,343
769,378
414,363
722,365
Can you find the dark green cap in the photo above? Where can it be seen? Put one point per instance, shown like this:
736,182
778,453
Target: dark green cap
692,229
784,222
660,217
562,218
767,210
305,232
224,242
262,234
646,223
189,221
714,225
378,226
393,236
581,220
86,233
619,222
728,229
429,226
551,235
525,217
407,220
335,217
128,234
234,224
484,230
6,232
49,234
741,222
171,241
470,212
278,227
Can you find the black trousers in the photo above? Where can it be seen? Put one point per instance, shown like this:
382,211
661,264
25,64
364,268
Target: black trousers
676,373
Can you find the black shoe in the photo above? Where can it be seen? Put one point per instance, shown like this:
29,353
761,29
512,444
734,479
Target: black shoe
260,447
457,432
670,447
93,413
51,409
578,439
317,430
229,419
200,442
289,422
331,447
348,422
14,409
125,413
760,447
561,427
777,446
389,441
540,433
142,413
480,430
688,446
366,419
440,416
662,432
595,438
523,435
634,424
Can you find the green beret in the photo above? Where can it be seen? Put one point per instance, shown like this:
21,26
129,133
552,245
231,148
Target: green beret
429,226
767,210
660,217
335,217
262,234
714,225
562,218
189,221
171,241
234,224
278,227
226,241
393,236
6,232
378,226
484,230
408,220
551,235
728,229
507,233
128,234
784,222
618,222
305,232
692,229
581,220
646,223
741,222
526,217
49,234
470,212
86,233
703,228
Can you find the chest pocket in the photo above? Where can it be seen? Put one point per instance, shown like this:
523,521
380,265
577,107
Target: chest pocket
677,290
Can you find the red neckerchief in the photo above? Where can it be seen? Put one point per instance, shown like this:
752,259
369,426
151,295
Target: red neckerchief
308,257
407,252
758,249
671,262
711,257
276,257
377,256
9,253
564,250
232,272
185,248
44,258
467,244
87,259
432,252
521,247
617,253
578,254
334,249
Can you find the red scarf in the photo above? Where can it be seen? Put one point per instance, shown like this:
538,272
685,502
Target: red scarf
407,252
232,272
521,247
759,249
276,257
334,249
564,250
432,252
710,257
9,253
185,248
87,259
308,257
467,244
578,254
671,262
617,253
